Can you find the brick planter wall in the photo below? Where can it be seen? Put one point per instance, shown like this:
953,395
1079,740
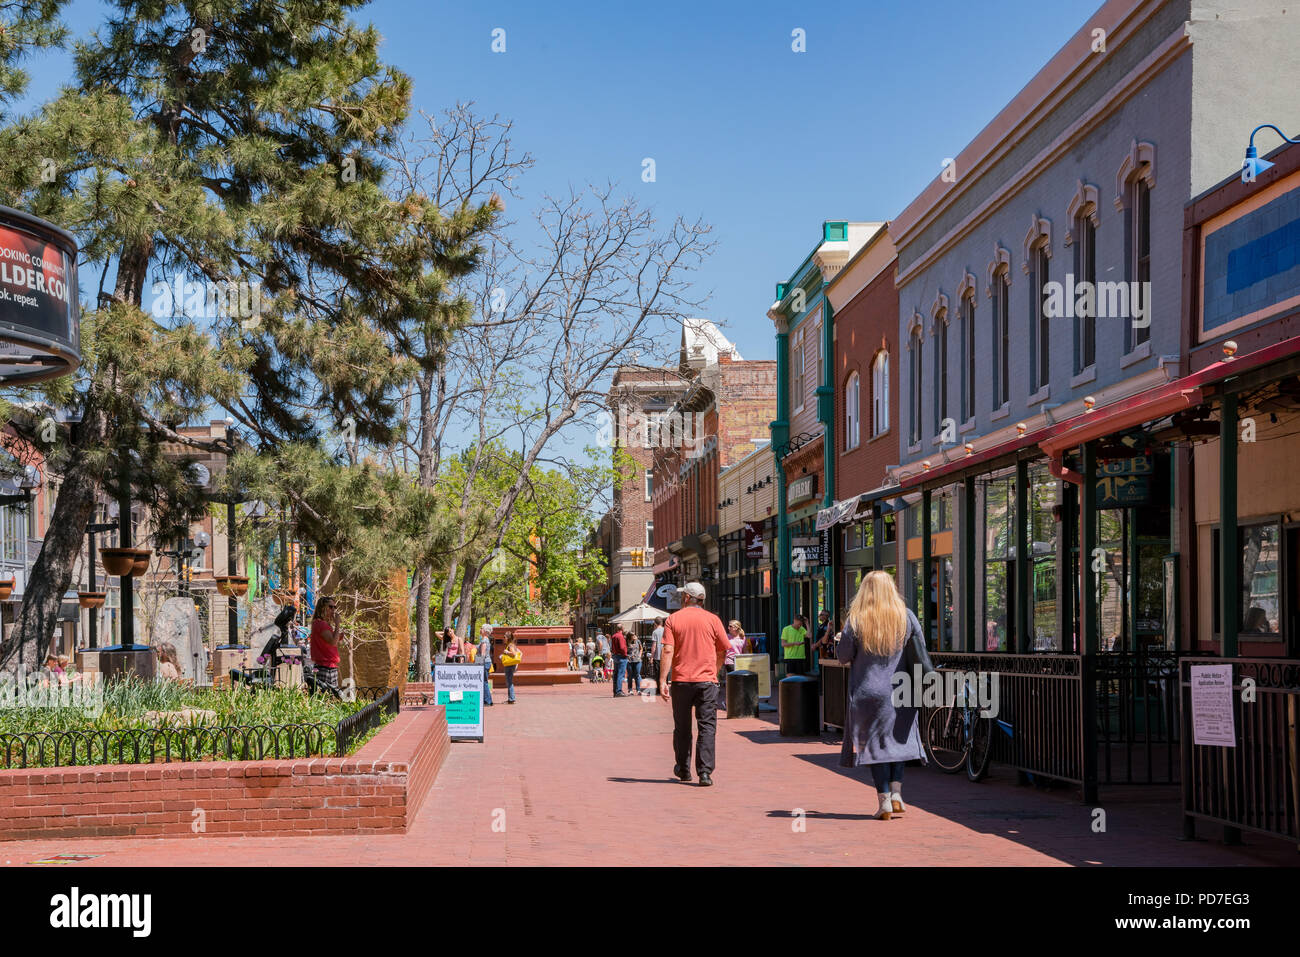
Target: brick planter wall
376,791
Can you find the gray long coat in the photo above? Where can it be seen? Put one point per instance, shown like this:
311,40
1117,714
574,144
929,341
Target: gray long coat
875,731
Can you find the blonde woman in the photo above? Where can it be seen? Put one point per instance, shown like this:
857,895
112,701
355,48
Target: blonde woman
737,644
511,658
880,637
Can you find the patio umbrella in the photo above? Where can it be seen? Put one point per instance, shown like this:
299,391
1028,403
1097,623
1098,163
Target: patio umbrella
638,612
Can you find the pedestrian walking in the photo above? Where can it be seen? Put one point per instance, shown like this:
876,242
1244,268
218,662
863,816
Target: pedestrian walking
794,646
881,637
485,657
511,658
657,638
589,653
825,634
694,649
574,654
618,643
634,653
324,642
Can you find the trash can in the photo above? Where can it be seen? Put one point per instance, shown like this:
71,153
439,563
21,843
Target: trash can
797,702
742,694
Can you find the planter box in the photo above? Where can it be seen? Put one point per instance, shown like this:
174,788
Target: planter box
378,790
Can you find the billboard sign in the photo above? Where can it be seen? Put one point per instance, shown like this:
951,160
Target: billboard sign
40,319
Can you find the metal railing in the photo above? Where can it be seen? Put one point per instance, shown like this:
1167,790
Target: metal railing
1040,696
95,747
44,749
367,719
1255,784
1137,717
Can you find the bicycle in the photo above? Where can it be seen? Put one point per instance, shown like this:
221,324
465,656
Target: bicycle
957,736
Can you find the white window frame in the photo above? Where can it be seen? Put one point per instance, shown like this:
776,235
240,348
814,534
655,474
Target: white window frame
650,535
880,395
649,479
852,413
800,386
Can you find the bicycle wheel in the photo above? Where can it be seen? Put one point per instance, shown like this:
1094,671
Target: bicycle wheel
981,747
944,740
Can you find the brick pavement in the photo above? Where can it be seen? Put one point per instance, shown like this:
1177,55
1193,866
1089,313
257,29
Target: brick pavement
576,776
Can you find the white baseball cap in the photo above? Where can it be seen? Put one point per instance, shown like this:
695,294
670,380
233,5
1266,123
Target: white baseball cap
694,589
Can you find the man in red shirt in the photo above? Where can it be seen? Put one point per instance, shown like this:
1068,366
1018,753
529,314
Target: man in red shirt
695,647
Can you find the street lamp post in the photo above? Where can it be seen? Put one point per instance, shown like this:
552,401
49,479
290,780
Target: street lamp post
92,613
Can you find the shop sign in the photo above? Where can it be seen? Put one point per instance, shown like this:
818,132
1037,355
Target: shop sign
801,489
754,540
1123,491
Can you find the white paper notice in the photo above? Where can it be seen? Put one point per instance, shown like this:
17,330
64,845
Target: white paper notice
1212,721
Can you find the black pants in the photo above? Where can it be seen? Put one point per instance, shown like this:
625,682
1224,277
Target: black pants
796,666
703,697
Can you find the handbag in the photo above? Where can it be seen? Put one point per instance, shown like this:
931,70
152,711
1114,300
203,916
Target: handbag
915,653
509,660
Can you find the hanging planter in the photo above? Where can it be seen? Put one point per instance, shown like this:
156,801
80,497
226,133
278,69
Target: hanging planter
118,561
6,589
91,599
232,585
141,564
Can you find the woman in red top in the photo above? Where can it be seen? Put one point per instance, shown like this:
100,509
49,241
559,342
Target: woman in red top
325,642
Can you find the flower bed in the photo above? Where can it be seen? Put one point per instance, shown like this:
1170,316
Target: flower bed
138,722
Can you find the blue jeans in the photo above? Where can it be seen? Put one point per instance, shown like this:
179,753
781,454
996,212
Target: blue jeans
884,773
620,669
487,683
510,682
634,674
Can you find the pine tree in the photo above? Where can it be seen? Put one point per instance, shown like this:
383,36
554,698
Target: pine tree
234,144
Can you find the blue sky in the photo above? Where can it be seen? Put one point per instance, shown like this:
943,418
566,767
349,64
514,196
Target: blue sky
762,142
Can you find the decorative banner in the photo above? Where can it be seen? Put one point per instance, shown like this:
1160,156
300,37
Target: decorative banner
459,689
754,540
1212,719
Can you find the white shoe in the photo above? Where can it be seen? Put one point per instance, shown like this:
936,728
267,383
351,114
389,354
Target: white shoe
896,795
886,807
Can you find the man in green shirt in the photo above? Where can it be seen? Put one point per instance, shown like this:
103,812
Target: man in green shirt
793,646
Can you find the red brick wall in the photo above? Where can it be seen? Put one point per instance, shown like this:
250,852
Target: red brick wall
378,790
862,328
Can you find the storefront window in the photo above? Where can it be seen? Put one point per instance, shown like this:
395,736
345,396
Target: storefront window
1042,541
1261,610
1112,581
999,495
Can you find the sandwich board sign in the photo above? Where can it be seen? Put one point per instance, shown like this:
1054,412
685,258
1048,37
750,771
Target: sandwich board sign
459,689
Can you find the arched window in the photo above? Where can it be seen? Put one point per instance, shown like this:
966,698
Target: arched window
1039,318
880,394
1001,295
915,375
968,356
940,397
852,413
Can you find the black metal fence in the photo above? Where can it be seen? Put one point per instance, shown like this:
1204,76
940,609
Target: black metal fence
1255,784
1137,717
44,749
1040,727
367,719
